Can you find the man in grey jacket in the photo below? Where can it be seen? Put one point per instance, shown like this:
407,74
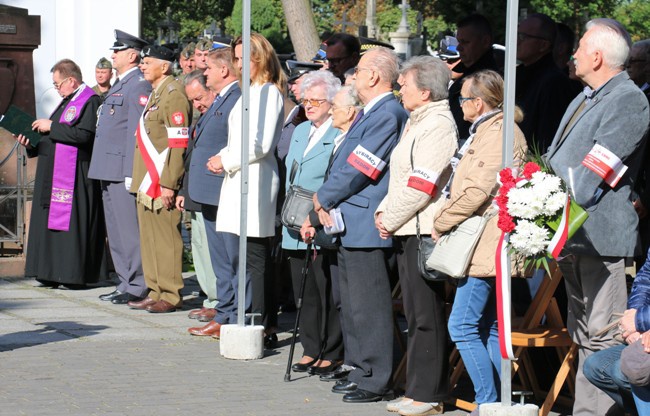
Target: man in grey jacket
596,150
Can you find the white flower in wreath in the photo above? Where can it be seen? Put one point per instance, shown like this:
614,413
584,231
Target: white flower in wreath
554,203
525,203
529,239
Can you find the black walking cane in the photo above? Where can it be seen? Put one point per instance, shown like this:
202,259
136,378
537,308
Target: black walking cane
305,269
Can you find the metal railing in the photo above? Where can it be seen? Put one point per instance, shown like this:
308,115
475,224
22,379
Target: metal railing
13,198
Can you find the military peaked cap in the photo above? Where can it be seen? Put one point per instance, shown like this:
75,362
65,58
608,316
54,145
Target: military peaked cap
158,52
298,69
125,41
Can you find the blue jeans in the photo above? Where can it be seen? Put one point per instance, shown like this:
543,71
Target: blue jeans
603,370
473,327
642,399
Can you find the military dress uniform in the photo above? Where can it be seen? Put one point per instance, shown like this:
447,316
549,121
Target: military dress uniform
164,121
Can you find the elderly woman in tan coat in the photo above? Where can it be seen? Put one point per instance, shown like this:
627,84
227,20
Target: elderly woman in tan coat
419,167
472,323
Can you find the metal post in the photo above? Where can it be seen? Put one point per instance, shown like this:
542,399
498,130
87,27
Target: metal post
508,147
243,220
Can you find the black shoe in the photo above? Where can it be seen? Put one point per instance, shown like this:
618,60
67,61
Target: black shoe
109,296
336,375
302,368
365,396
317,371
344,387
123,298
270,341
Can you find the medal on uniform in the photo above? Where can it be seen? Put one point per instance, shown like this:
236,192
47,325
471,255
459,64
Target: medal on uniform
112,111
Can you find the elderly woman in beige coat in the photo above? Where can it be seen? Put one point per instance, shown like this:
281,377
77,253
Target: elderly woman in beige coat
419,167
472,323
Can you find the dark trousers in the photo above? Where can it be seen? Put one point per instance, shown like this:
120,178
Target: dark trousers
427,370
366,308
320,328
123,237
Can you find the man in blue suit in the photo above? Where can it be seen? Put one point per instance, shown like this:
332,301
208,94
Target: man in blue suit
205,185
112,164
357,182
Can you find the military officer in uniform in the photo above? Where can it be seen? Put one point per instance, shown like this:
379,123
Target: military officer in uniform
112,165
103,75
161,140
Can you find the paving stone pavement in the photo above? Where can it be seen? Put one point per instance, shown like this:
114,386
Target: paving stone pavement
65,352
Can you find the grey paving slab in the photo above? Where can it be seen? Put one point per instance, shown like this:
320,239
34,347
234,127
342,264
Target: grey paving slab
67,353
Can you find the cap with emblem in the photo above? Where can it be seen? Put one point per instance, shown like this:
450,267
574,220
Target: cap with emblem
298,69
448,49
125,41
368,44
188,51
104,63
321,55
203,45
158,52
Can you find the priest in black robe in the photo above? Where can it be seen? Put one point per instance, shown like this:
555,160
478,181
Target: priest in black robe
67,232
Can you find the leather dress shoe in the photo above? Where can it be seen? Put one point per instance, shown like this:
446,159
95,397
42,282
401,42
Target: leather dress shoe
123,298
110,296
302,368
365,396
336,375
207,315
344,387
141,304
270,341
162,306
211,329
195,313
317,371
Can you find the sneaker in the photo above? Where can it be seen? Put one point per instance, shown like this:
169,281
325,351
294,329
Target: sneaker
395,405
424,409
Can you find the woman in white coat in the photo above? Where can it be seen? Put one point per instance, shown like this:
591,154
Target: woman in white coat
265,124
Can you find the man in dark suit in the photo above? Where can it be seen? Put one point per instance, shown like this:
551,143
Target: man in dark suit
211,135
543,91
357,182
112,164
596,151
474,37
201,98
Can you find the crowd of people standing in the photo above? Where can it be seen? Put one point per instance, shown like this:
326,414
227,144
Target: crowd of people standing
392,165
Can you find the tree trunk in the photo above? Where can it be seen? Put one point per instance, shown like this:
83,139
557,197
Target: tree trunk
302,29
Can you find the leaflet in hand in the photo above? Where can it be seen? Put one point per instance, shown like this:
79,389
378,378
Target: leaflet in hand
337,222
605,164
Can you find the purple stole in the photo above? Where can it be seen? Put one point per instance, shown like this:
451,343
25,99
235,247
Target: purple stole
65,166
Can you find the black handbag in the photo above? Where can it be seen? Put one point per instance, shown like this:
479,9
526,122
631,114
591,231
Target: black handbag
296,207
297,203
425,248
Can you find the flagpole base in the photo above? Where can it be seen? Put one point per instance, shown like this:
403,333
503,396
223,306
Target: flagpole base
498,409
242,342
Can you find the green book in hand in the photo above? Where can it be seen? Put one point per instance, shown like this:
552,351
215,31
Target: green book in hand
17,121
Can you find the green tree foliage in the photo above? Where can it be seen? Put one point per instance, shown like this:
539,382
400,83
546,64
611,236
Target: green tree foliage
574,13
323,15
267,18
494,10
635,15
192,15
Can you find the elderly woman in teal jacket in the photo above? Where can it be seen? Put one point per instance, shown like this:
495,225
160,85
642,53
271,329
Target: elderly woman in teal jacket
311,146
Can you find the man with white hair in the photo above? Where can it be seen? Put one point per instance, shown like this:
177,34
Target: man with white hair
596,151
161,140
357,181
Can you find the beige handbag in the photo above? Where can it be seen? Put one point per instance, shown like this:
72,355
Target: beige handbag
454,250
